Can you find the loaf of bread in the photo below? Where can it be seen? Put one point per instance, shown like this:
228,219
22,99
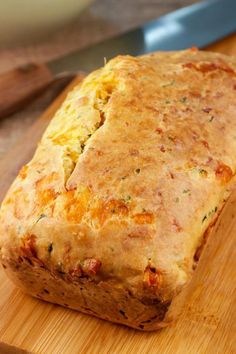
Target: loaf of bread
110,215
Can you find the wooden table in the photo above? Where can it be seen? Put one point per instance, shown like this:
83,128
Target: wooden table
103,19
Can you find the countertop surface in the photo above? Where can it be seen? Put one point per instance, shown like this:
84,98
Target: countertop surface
103,19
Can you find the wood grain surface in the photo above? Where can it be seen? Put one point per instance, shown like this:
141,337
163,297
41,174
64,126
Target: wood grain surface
207,324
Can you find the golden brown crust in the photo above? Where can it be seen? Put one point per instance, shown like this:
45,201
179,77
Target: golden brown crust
127,178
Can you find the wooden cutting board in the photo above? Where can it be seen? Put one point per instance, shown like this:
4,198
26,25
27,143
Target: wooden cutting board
207,324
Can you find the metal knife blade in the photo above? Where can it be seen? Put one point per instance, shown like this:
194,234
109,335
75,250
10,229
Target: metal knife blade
196,25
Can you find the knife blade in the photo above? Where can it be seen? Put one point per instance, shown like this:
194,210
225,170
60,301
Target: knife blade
198,25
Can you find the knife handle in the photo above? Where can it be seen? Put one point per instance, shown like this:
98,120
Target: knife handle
20,85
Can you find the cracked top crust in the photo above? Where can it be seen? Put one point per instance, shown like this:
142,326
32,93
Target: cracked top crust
129,174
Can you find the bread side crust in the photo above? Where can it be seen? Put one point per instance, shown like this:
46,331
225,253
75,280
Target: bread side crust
105,299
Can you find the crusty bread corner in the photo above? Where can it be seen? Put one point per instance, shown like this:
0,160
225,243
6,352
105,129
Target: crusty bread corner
110,214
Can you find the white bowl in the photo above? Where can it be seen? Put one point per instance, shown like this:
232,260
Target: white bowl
25,20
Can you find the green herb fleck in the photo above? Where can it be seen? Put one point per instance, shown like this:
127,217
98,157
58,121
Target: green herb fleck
170,138
50,248
183,99
137,170
210,213
186,191
167,102
41,217
127,199
124,177
204,218
213,211
211,118
169,84
177,200
82,146
202,172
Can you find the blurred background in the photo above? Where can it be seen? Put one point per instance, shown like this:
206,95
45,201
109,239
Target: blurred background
37,31
40,30
33,30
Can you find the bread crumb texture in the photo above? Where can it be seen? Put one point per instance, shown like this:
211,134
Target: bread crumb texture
131,171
